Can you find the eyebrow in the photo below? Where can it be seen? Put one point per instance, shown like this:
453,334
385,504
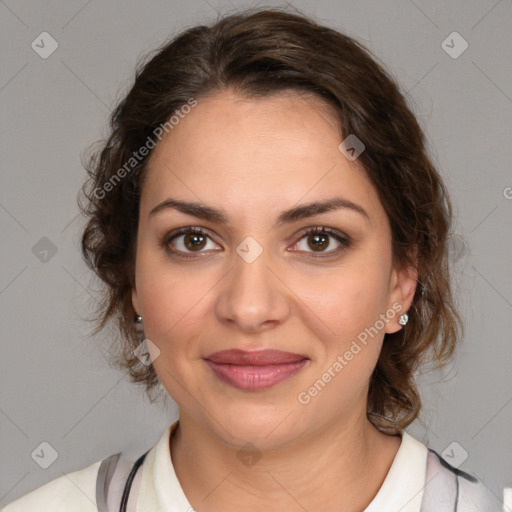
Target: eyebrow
286,217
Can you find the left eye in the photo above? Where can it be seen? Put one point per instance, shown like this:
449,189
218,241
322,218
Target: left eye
193,239
319,239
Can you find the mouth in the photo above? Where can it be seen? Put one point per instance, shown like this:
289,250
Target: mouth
257,370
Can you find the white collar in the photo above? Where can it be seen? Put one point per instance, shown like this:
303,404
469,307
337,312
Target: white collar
160,489
402,490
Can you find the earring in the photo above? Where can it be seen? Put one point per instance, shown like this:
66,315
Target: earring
139,328
403,319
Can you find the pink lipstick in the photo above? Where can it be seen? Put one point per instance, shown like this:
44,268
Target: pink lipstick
253,371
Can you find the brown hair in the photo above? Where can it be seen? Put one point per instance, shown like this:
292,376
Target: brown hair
256,53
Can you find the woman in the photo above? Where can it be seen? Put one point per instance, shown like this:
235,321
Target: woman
266,219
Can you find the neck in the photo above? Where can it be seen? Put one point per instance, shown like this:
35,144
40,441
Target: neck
340,467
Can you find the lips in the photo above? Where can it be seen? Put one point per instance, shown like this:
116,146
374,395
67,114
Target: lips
257,370
257,358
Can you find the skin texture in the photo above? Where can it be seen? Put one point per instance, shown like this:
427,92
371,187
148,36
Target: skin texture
254,158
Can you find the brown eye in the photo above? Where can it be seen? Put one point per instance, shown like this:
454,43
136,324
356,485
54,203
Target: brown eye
323,241
187,241
319,242
193,241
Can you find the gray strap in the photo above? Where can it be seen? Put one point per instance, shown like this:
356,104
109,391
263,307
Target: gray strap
105,473
129,481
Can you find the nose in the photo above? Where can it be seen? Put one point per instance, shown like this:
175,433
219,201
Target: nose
253,297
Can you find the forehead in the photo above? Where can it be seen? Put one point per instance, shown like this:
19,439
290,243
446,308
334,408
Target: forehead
256,155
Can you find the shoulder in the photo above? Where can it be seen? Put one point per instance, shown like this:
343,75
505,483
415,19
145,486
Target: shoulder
446,484
72,491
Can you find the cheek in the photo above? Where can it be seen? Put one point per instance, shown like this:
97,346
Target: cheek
174,301
352,299
174,313
352,310
351,347
171,306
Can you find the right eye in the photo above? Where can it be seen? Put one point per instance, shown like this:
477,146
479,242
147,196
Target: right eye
193,240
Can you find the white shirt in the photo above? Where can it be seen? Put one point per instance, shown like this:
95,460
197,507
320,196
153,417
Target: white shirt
159,489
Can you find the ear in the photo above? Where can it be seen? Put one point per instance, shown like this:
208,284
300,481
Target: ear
135,301
403,282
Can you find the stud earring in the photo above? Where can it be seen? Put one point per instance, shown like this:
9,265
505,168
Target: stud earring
403,319
139,328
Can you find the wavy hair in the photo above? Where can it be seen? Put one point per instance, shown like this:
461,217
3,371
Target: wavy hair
256,53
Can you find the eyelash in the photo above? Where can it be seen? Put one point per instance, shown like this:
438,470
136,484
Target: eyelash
343,239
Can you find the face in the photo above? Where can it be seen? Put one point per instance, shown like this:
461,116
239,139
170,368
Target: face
254,278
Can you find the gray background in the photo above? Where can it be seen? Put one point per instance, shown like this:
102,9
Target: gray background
56,385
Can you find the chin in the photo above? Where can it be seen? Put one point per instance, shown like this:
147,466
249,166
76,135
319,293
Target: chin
266,429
